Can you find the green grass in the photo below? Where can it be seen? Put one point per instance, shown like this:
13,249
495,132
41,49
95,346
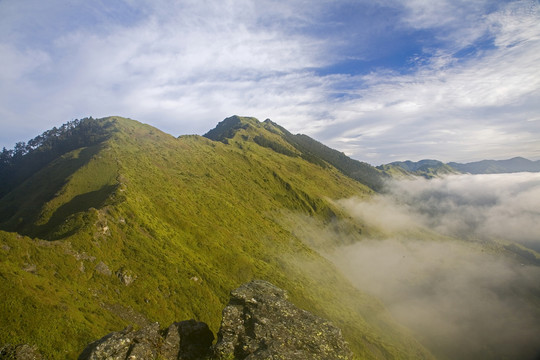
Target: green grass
191,219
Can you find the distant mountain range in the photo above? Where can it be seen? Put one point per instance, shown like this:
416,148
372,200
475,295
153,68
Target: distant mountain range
517,164
433,168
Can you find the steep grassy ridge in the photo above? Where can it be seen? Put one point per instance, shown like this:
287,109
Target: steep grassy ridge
149,227
300,145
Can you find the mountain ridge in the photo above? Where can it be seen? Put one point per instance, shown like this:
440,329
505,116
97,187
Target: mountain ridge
433,168
299,145
143,226
515,164
426,168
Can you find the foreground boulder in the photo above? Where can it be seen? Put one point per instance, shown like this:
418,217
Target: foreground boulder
186,340
258,323
19,352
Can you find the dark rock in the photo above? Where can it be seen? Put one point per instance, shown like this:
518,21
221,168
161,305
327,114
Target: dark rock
126,344
171,343
186,340
19,352
259,323
196,339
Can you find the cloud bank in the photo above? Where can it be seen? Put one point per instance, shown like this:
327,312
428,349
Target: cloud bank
476,207
460,302
464,296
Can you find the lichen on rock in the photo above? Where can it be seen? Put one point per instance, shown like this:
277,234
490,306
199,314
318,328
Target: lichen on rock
185,340
260,323
19,352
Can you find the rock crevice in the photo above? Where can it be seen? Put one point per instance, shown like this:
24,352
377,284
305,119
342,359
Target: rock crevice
258,323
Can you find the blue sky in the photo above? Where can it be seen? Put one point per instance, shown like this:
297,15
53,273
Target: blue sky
382,81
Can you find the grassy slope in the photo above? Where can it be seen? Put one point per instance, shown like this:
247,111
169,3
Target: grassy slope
188,219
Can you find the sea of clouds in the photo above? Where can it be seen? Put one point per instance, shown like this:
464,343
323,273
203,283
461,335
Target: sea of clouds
462,294
494,206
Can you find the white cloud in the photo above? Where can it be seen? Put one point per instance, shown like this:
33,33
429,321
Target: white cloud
461,21
15,64
434,252
498,206
192,61
183,66
460,302
485,100
465,296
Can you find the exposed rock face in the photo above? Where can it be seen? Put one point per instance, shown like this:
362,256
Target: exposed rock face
125,344
125,276
186,340
103,269
19,352
259,323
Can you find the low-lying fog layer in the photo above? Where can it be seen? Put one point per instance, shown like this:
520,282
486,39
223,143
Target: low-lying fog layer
505,206
463,299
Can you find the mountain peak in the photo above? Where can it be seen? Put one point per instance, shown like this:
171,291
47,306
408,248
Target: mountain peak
227,128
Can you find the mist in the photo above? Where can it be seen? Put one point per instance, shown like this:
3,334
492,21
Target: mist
482,207
438,258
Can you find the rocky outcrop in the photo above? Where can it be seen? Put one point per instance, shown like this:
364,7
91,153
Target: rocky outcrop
103,269
125,344
185,340
19,352
258,323
125,276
